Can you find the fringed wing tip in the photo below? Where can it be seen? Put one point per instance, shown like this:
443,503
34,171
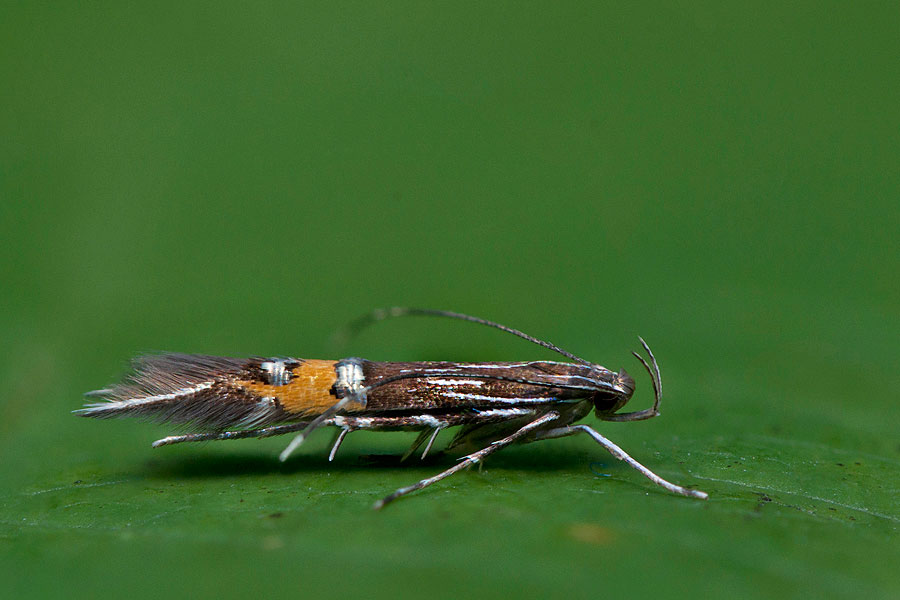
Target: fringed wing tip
96,409
204,392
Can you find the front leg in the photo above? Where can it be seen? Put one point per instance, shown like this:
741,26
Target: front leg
621,455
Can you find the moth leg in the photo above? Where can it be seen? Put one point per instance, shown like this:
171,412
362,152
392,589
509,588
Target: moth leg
228,435
471,459
323,419
420,439
430,435
434,435
338,440
621,455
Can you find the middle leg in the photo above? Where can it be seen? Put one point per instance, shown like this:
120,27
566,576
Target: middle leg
471,459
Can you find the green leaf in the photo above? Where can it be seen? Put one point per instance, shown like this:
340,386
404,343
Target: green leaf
245,179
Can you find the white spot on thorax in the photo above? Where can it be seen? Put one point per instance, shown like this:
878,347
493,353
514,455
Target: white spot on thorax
277,373
350,377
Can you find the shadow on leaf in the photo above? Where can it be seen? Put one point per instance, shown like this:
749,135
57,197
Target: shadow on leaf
209,464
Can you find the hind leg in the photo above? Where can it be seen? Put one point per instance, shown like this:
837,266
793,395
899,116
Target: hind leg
229,435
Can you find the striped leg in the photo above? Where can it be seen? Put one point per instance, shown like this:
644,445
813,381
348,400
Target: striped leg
471,459
420,439
338,440
426,434
229,435
623,456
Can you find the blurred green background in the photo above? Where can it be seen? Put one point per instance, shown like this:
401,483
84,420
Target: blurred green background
234,178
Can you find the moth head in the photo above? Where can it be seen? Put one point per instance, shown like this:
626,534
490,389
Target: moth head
624,382
622,386
619,387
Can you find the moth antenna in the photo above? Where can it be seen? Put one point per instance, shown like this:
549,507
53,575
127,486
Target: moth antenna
653,370
360,323
655,366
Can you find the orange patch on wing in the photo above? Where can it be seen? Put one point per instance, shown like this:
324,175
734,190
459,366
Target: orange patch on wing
309,391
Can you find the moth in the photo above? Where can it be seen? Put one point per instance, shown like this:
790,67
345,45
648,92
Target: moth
493,403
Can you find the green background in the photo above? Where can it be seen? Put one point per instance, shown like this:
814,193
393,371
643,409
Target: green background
244,178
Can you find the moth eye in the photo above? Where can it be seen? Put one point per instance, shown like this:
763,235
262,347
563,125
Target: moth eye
625,380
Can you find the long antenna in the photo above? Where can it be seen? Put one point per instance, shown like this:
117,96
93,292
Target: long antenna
357,325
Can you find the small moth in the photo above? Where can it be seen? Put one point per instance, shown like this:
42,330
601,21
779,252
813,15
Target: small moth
495,403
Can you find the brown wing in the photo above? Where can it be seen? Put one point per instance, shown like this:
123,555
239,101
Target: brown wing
452,385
